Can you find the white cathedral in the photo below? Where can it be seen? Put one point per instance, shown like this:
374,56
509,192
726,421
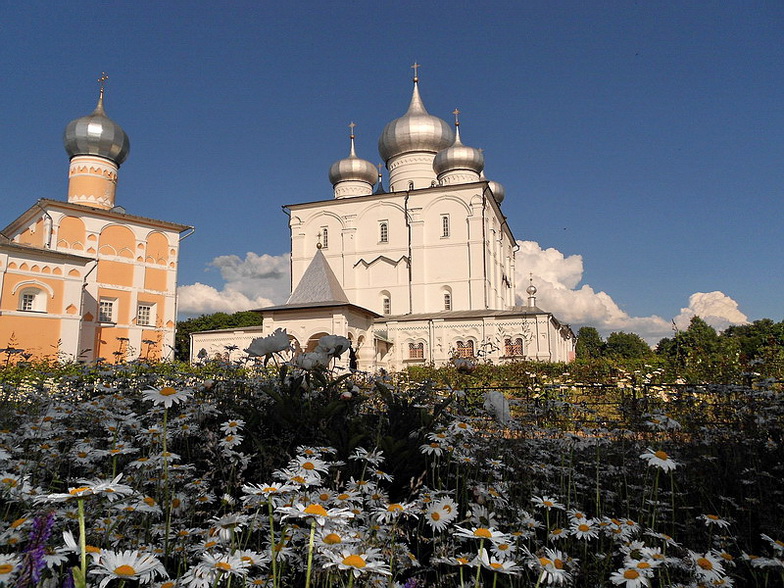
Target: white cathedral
419,274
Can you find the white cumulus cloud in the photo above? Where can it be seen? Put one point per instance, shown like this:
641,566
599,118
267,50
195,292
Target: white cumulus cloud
557,277
253,282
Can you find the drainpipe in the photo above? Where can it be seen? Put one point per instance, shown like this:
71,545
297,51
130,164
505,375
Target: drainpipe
47,227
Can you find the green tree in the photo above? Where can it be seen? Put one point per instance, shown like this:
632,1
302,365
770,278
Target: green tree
622,345
589,344
208,322
700,354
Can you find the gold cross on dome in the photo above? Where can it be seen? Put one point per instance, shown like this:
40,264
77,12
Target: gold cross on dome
102,80
351,126
456,112
416,67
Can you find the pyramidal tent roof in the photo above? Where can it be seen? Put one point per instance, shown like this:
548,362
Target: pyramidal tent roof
318,285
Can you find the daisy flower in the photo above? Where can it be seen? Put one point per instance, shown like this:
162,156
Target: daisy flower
226,563
482,533
316,512
167,396
546,502
359,562
659,459
500,566
584,529
440,513
111,489
9,565
552,567
708,566
712,519
126,565
630,578
232,426
776,544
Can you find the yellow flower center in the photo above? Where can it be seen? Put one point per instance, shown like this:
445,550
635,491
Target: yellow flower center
435,516
75,491
168,391
583,527
92,549
17,523
395,507
125,570
308,465
559,564
662,455
547,503
316,509
462,561
483,533
712,517
496,566
332,539
631,574
704,563
9,482
6,568
223,565
643,565
149,501
354,561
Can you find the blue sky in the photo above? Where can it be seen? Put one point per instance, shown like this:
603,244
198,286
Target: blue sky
640,144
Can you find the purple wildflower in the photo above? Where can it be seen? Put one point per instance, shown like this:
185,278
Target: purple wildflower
33,555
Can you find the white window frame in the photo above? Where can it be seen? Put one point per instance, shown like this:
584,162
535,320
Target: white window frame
111,303
325,237
447,301
150,319
386,304
32,300
383,231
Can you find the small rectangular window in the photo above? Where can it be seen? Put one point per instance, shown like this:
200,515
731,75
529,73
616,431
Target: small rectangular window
416,351
324,238
447,301
106,311
383,230
387,306
144,315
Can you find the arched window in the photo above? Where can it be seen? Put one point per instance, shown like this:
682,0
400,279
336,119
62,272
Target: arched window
513,347
32,300
387,304
324,238
445,225
383,232
416,351
447,301
465,348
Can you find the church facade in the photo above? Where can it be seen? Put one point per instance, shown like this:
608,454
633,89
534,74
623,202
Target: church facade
420,273
82,279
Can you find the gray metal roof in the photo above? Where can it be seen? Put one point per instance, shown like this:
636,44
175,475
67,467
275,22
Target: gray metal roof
318,285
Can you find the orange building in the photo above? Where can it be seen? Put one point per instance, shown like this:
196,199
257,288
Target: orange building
82,279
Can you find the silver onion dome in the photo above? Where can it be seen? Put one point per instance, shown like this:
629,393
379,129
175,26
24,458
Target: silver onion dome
353,168
97,134
498,190
416,130
458,157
